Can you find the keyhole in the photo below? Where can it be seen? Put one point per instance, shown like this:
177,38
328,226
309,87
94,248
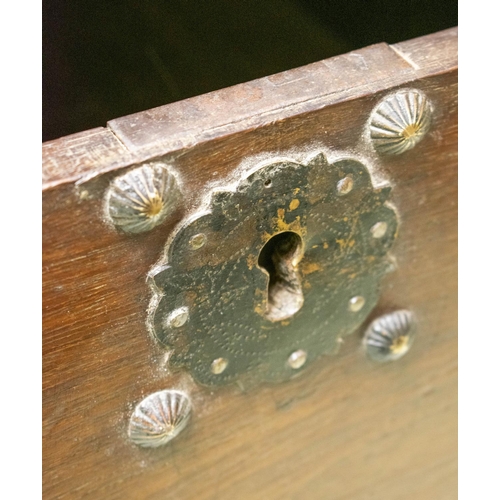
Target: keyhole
279,259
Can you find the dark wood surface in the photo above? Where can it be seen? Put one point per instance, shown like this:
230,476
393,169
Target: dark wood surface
347,428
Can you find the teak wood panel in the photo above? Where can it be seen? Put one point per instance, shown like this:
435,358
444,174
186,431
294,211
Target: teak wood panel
347,428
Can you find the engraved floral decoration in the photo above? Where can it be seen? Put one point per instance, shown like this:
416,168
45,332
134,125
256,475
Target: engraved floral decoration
275,273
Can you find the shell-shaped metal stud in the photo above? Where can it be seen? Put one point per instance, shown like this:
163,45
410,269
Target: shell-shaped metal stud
400,121
142,198
158,418
390,337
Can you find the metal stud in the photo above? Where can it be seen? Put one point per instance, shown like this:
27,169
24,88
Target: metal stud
390,337
400,121
159,418
356,303
345,185
197,241
219,365
142,198
177,318
379,229
297,359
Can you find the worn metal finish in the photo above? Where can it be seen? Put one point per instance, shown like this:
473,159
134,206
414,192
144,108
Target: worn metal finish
283,256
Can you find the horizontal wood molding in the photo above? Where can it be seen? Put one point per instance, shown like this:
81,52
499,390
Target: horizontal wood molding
175,127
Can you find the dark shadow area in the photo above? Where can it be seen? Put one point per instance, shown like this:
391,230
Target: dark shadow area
103,60
279,258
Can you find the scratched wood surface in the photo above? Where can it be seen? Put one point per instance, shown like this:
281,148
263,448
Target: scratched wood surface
347,428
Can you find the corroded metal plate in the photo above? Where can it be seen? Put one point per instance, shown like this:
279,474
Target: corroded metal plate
275,273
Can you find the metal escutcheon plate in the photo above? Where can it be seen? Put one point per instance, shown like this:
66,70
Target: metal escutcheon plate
276,273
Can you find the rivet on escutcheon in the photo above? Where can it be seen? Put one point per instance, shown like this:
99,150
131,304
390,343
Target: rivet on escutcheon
379,229
218,365
197,241
345,185
177,318
297,359
356,303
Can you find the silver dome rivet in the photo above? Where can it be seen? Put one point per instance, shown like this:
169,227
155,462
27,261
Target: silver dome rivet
345,185
218,365
142,198
390,337
379,229
400,121
356,303
177,318
297,359
197,241
159,418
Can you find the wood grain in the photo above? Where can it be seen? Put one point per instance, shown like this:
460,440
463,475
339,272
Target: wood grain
79,156
347,428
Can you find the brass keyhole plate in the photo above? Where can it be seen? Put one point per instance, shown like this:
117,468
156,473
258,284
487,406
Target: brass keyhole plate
214,304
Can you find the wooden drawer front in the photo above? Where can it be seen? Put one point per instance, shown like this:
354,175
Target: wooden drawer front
348,427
